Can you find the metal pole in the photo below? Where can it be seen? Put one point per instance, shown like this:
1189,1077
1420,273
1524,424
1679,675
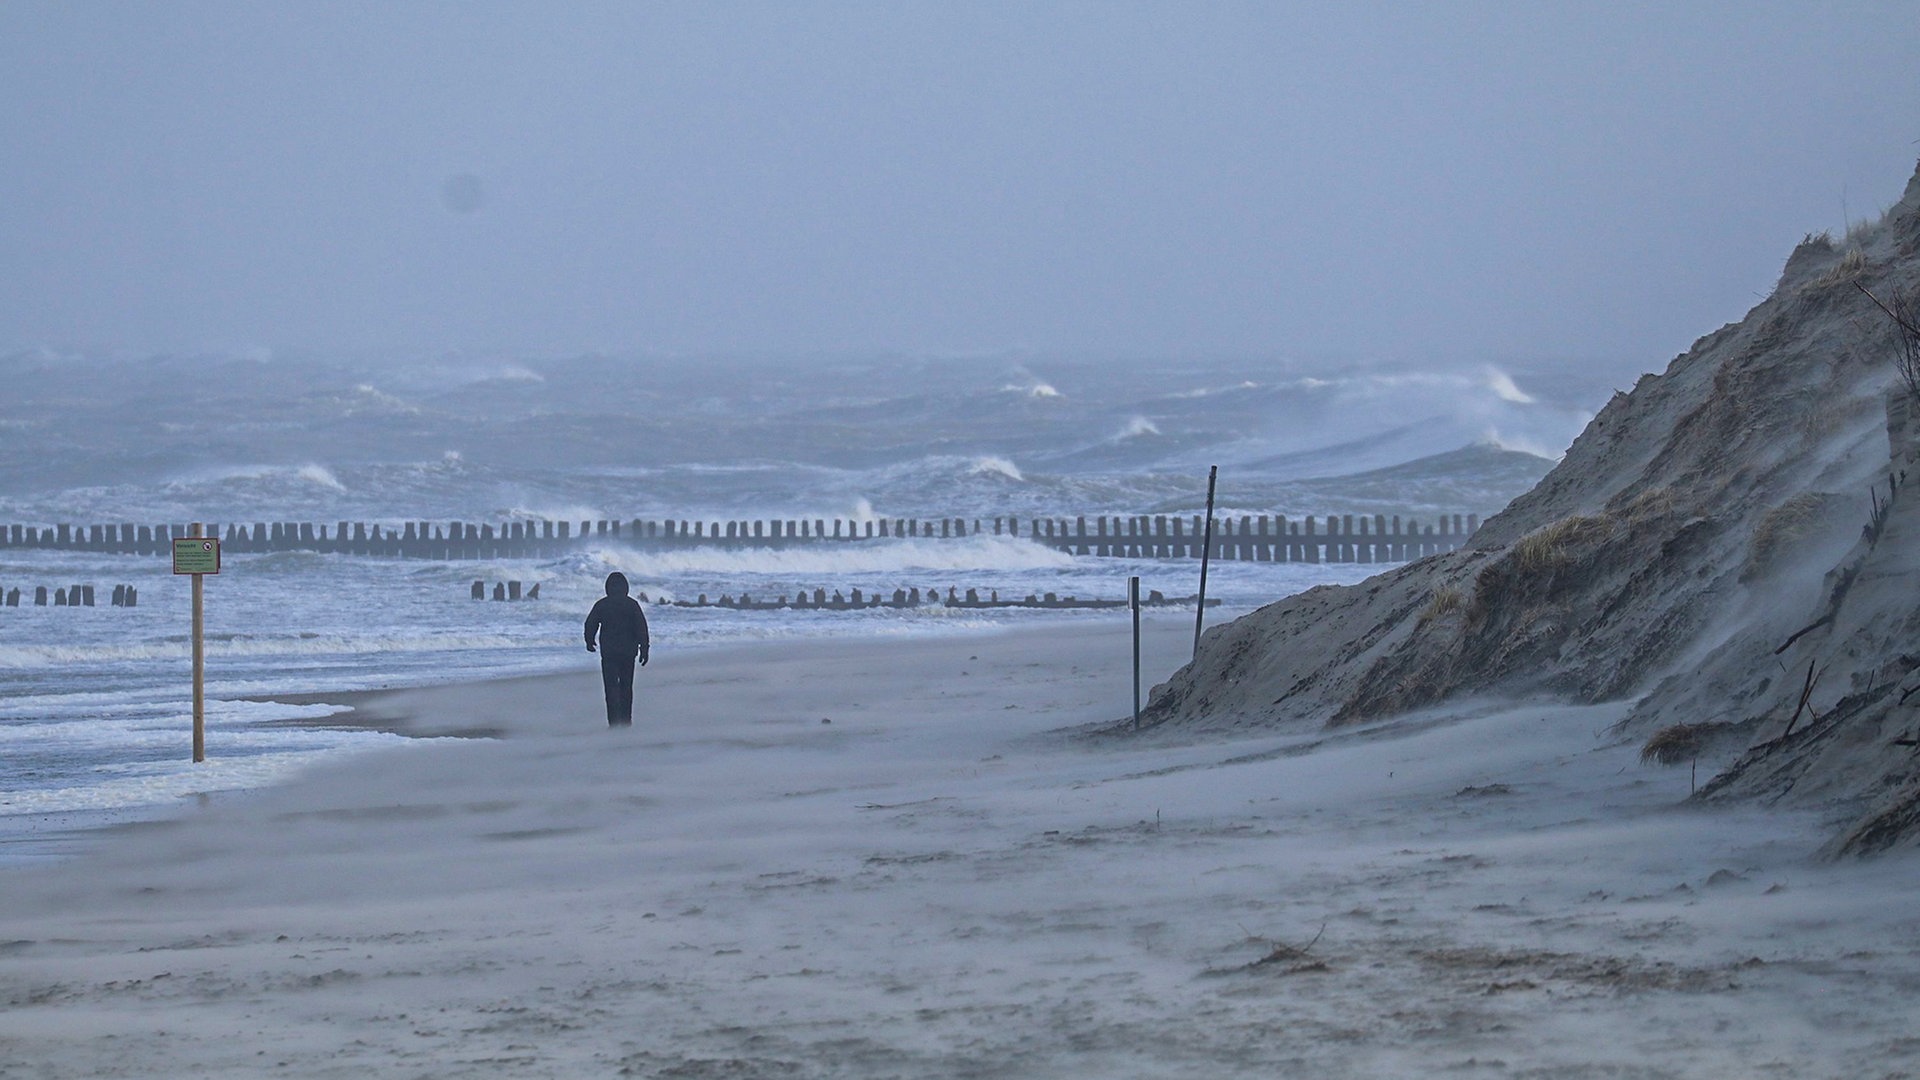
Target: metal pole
199,663
1133,598
1206,552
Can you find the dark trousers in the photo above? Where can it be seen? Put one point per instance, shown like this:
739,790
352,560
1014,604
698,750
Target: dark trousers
616,671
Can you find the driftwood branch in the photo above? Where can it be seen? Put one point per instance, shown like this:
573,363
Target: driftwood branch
1904,317
1806,695
1802,632
1898,313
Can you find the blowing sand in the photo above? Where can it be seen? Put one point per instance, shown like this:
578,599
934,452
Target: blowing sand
937,883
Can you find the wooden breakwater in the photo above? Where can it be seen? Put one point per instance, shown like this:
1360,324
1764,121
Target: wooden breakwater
505,590
1347,538
67,596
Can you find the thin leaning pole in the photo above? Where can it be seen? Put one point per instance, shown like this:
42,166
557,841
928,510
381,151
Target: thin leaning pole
1133,599
1206,551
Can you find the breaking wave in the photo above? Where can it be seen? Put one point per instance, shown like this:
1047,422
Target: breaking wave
1503,387
321,475
974,553
996,466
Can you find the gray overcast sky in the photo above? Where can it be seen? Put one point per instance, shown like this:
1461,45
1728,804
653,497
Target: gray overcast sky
1452,181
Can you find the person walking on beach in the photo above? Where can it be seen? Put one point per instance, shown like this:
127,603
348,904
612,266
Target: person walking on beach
620,625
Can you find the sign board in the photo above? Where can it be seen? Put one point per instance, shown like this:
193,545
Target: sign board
196,555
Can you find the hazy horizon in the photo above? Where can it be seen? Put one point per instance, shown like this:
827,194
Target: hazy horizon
1381,184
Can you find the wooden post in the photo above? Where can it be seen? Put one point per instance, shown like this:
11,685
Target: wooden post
199,661
1133,599
1206,552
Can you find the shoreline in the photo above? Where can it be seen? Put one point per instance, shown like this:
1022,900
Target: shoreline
425,710
440,710
380,710
405,709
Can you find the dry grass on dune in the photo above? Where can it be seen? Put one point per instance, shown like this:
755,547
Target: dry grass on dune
1676,744
1783,527
1851,266
1446,600
1551,545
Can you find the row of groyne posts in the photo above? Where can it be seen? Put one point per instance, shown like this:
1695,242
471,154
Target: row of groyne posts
68,596
1348,538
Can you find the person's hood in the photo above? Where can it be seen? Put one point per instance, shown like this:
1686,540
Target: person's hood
616,584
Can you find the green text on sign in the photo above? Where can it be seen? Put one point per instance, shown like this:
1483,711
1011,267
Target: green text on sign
196,555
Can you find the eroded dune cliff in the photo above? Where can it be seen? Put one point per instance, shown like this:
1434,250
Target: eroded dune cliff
1701,521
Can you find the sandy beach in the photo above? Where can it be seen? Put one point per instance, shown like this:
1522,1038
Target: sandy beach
889,859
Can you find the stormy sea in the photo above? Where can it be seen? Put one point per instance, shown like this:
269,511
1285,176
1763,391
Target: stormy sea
95,700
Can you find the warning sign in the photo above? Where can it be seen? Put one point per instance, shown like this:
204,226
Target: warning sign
196,555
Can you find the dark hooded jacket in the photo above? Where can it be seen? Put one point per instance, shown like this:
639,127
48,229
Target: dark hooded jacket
618,620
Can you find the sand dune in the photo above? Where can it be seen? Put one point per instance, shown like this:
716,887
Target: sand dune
1729,524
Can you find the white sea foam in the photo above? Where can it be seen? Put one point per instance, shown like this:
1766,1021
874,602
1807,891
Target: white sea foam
290,645
1034,388
1136,427
1524,443
501,373
105,719
223,473
236,760
321,475
369,398
996,466
1210,391
1503,387
568,512
973,553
